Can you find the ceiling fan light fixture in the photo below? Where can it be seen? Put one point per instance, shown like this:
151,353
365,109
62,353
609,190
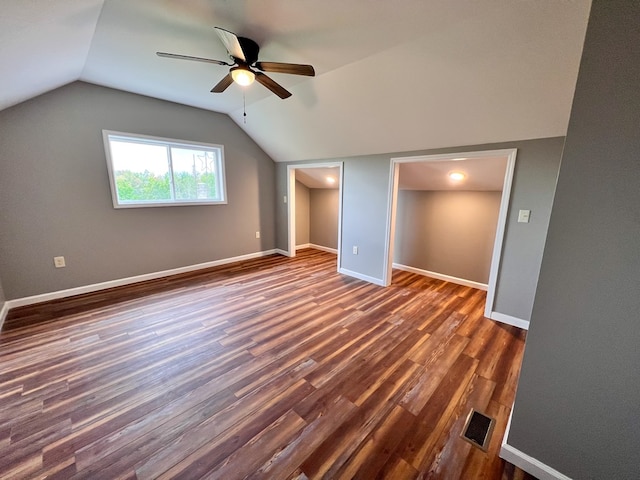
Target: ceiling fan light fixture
456,176
242,76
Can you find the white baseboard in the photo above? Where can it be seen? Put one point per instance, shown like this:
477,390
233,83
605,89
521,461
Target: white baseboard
3,313
316,247
323,248
360,276
45,297
281,252
509,320
442,276
525,462
529,464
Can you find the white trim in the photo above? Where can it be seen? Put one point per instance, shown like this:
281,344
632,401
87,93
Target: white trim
510,154
323,248
291,211
167,143
281,252
441,276
500,229
340,193
390,236
360,276
316,247
527,463
461,155
509,320
3,313
291,200
45,297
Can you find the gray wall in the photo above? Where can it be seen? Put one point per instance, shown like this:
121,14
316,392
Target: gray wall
364,211
451,233
55,197
533,189
302,214
577,407
364,215
324,205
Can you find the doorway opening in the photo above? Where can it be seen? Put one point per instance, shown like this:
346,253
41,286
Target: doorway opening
320,187
474,166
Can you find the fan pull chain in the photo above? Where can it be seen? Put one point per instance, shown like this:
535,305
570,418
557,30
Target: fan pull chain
244,107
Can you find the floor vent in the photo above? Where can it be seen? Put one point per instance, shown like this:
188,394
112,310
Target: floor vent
477,429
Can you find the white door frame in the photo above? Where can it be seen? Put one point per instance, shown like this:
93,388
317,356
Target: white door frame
510,153
291,197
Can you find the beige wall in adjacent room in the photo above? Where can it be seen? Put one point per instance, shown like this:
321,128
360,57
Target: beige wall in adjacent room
450,233
324,204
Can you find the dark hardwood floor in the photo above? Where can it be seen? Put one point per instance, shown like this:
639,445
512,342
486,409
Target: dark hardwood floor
274,368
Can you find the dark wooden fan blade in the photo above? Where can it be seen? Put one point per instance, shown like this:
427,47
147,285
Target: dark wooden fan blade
223,84
273,86
231,43
188,57
292,68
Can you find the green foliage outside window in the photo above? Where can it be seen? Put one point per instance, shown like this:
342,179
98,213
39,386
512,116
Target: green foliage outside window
146,186
187,185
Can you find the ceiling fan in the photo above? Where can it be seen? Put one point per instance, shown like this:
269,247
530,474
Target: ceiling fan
244,53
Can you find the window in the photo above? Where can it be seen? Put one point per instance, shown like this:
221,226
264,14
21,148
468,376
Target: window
154,172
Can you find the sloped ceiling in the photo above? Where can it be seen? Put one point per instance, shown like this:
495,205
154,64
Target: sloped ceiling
391,75
43,45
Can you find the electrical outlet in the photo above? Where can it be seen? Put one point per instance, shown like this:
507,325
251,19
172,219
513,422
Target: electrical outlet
257,234
355,250
59,262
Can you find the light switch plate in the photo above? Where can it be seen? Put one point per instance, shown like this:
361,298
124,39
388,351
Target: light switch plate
523,216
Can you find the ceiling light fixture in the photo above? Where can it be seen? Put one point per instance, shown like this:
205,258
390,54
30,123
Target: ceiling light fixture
242,76
456,176
331,180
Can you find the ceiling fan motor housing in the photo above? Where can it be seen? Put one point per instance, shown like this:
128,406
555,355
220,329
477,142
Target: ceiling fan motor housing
250,50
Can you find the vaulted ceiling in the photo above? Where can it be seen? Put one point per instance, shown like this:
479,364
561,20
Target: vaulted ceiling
391,75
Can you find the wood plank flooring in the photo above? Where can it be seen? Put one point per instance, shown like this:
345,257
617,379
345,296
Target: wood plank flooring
274,368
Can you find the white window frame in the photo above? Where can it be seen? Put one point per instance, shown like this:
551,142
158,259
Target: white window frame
167,142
